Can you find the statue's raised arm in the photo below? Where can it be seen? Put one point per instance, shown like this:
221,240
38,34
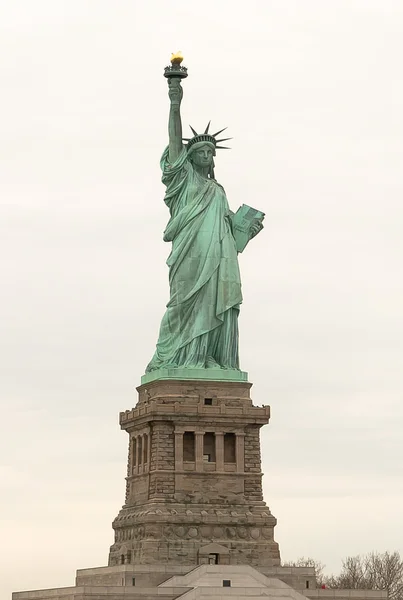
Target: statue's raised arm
175,122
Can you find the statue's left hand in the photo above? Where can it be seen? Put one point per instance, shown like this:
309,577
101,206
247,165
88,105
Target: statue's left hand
254,229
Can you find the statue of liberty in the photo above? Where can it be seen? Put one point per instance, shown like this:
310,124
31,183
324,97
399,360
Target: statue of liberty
199,329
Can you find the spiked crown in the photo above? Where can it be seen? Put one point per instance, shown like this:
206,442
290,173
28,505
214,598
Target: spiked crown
206,137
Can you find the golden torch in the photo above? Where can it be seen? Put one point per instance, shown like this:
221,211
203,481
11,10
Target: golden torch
175,69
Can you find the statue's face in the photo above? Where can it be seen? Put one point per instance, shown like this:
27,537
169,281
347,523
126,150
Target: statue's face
203,156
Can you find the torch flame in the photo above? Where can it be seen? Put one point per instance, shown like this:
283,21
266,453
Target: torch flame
176,58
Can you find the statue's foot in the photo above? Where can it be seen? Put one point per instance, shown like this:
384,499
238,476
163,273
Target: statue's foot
211,363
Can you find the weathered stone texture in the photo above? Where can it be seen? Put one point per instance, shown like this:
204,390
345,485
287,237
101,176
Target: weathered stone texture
176,506
162,446
138,489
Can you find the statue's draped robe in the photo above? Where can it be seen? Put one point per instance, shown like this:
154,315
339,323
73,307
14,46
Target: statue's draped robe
200,326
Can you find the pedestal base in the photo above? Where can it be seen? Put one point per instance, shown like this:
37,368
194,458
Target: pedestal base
164,582
194,477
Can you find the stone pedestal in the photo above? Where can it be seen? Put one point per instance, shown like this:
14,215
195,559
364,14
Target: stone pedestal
194,480
194,523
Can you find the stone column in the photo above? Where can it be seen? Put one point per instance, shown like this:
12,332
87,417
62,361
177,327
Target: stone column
144,450
219,450
199,435
134,455
240,452
149,451
138,456
178,450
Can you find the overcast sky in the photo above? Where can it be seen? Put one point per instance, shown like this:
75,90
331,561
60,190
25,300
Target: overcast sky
312,92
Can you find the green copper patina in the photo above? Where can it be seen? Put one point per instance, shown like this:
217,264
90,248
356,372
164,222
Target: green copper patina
199,332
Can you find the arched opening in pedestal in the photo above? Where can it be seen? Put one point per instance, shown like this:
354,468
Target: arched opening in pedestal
213,554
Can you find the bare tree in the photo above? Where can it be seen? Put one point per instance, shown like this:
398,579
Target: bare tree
385,572
309,562
377,571
352,576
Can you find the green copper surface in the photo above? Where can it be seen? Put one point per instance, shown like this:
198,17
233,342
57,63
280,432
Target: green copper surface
198,336
192,374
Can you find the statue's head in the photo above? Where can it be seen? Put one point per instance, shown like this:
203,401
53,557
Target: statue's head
202,146
202,154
